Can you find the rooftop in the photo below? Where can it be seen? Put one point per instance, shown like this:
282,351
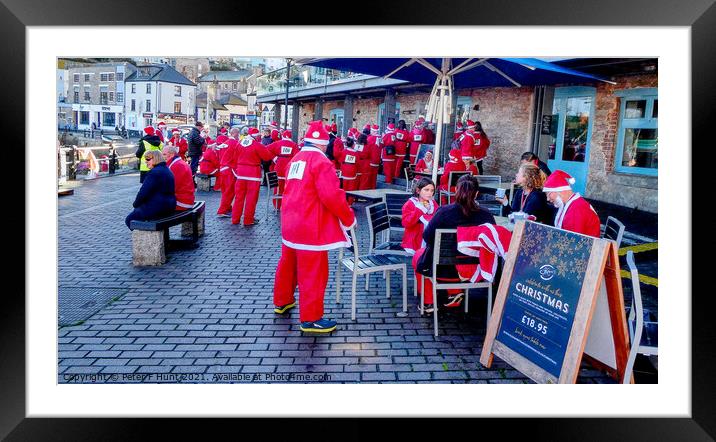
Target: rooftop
159,72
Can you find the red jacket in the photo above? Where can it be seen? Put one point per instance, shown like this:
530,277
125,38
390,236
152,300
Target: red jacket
417,137
577,215
457,135
450,167
467,143
183,183
423,167
284,150
415,218
348,158
487,241
227,156
209,162
402,138
430,135
247,165
374,149
181,144
363,157
314,212
388,140
482,143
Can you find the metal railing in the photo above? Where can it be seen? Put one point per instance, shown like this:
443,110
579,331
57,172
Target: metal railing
302,77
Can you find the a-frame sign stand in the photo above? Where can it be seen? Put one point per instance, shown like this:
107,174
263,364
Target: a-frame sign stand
547,343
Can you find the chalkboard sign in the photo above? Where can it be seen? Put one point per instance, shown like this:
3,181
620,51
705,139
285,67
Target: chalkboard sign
546,125
545,302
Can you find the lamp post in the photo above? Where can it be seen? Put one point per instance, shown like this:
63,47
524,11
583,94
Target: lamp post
285,106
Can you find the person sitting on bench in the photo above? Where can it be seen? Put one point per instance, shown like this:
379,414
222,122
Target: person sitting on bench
155,198
183,181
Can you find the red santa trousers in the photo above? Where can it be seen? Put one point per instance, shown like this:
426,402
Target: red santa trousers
389,171
308,270
279,191
227,191
350,184
398,168
246,195
428,283
373,183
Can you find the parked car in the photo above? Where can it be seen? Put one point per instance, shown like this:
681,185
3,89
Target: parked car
106,139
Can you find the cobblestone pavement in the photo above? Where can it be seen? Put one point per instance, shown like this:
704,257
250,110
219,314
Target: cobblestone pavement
207,314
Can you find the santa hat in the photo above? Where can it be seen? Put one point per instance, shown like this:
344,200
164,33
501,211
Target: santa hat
367,126
161,123
221,139
419,122
316,134
352,133
558,182
149,130
175,131
286,135
390,128
374,129
253,132
273,125
470,124
455,155
459,126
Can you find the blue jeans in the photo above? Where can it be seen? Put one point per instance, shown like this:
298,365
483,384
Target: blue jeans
194,164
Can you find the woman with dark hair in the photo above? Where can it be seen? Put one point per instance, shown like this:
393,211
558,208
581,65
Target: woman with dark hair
417,212
464,212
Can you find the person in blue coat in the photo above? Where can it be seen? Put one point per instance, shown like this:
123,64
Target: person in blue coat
156,197
530,199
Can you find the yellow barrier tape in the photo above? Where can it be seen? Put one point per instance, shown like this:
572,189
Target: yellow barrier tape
639,248
643,278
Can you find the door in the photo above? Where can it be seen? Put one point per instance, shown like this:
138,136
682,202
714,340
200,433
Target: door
571,133
381,115
337,116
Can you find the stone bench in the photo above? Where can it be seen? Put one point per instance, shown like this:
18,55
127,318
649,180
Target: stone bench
203,182
150,239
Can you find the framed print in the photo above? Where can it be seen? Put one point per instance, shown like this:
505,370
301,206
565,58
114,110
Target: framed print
37,34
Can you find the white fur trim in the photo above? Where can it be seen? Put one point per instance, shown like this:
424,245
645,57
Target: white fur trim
315,141
555,189
316,248
312,149
184,205
247,178
223,168
355,221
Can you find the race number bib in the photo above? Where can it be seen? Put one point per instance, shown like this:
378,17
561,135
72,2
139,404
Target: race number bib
350,159
418,137
478,141
359,148
286,150
246,142
296,170
392,138
399,136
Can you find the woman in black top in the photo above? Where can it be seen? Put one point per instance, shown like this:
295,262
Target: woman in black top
464,212
530,199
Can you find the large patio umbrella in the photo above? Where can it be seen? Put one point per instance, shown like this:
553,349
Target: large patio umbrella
448,74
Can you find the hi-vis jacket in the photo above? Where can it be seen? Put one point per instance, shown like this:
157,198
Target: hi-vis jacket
314,213
415,218
284,150
249,153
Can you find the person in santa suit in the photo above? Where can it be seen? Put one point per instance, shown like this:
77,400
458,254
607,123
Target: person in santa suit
482,143
366,129
425,164
161,129
315,219
417,213
470,167
388,156
374,148
402,136
363,161
275,134
574,213
179,142
455,164
430,133
417,137
247,170
228,180
459,130
467,141
283,149
210,163
183,181
335,145
348,157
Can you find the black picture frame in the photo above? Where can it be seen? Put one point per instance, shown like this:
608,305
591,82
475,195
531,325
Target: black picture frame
16,15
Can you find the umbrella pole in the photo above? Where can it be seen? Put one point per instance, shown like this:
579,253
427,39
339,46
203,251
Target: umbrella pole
439,131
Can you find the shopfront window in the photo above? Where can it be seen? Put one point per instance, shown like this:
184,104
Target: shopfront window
576,129
638,136
108,119
84,117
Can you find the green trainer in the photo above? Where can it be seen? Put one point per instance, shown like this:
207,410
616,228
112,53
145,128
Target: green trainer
284,308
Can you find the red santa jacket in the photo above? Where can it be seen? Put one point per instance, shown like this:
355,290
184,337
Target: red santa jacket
363,161
388,140
402,138
247,165
348,158
457,135
283,150
577,215
482,143
456,166
429,137
486,241
417,137
314,213
209,162
415,218
227,158
467,143
374,146
183,183
275,135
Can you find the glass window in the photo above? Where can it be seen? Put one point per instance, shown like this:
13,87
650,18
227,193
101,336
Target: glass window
111,96
108,119
576,128
87,96
120,76
635,109
134,105
84,117
120,97
149,88
554,128
149,106
87,77
177,91
103,97
638,136
76,78
110,76
103,77
177,107
134,88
